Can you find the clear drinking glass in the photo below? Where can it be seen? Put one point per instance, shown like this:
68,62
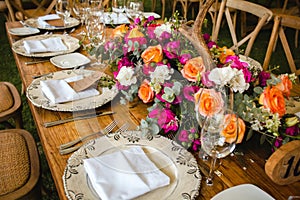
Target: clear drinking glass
63,9
96,34
80,9
118,6
218,137
134,9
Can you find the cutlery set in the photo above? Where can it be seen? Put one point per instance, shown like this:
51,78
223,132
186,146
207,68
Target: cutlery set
69,146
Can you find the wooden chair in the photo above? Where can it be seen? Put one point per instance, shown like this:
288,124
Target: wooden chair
3,9
10,105
185,6
20,167
263,15
281,21
17,10
163,5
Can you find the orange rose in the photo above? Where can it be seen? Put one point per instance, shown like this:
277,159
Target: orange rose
135,33
152,54
235,130
193,68
145,92
119,31
272,98
224,53
209,101
285,85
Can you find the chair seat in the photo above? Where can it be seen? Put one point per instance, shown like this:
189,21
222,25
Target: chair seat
10,104
20,169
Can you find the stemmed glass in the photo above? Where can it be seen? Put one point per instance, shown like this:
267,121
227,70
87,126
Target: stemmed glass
218,137
80,9
63,9
96,34
118,6
134,9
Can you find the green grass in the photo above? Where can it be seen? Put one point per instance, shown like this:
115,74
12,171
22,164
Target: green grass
9,72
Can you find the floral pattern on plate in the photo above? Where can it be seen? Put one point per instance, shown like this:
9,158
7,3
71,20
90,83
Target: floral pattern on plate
175,161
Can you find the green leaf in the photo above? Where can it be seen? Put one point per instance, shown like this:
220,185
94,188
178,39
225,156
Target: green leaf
250,134
263,138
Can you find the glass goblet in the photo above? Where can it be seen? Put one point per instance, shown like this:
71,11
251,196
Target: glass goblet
218,137
118,7
134,9
80,9
63,9
96,35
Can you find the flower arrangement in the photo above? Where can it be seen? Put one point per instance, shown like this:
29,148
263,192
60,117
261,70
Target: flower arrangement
161,67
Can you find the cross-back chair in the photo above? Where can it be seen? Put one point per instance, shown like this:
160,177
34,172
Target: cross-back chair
263,14
17,10
185,4
280,23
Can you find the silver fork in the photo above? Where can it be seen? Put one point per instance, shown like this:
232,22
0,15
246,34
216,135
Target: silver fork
123,128
106,130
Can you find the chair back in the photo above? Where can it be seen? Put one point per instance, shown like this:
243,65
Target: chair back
17,10
263,15
282,21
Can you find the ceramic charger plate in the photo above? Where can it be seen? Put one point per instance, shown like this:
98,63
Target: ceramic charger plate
171,158
35,95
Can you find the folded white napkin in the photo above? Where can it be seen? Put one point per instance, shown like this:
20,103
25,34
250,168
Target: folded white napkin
59,91
124,174
45,45
113,18
42,20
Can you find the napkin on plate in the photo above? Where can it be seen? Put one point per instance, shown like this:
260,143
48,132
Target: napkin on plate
45,45
114,18
59,91
124,175
51,20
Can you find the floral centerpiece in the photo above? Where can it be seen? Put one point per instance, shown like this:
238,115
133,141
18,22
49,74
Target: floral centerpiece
160,66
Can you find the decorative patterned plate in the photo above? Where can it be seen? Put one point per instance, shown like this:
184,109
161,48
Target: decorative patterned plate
171,158
35,95
71,42
23,31
33,22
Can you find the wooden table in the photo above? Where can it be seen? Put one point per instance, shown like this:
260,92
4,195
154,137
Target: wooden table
234,170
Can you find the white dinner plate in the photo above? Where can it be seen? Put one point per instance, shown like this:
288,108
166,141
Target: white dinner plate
71,42
23,31
71,60
35,95
33,22
148,14
171,158
245,192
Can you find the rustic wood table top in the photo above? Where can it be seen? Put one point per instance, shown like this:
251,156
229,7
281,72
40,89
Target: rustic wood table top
234,170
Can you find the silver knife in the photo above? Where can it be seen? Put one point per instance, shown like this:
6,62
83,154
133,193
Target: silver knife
70,119
35,62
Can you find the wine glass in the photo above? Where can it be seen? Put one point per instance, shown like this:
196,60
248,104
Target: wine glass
118,6
209,101
134,9
218,137
63,10
80,9
96,34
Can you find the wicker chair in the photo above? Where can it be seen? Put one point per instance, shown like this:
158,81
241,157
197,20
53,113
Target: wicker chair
20,167
10,105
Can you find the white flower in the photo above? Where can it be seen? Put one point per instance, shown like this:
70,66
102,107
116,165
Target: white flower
160,74
126,76
238,83
160,29
221,76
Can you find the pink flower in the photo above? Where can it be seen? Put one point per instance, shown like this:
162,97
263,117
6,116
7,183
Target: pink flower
205,80
293,130
171,49
196,145
183,136
263,77
184,58
166,119
189,91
